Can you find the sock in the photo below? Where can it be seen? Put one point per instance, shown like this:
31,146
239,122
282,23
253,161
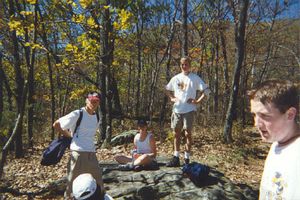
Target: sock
176,153
186,155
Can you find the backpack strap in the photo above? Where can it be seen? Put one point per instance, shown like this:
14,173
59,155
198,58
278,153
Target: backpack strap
78,121
97,115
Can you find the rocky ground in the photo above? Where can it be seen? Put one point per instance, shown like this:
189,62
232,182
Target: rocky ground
241,162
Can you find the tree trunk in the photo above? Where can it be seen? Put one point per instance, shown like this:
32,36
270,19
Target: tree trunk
19,84
1,88
107,47
216,85
168,76
225,72
50,69
240,28
185,50
30,64
117,108
19,122
139,33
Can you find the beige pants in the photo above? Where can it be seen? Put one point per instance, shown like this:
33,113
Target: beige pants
82,162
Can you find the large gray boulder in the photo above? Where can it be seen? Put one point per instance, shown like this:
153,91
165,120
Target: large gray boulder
124,138
168,183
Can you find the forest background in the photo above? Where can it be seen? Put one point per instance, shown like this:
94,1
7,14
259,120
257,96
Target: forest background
53,52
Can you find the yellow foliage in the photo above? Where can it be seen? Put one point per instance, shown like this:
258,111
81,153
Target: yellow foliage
14,24
65,61
125,17
124,20
46,97
115,63
37,46
20,32
116,26
106,7
78,18
71,48
63,35
91,22
85,3
26,13
32,1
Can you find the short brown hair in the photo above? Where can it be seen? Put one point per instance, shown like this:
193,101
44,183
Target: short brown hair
283,94
188,59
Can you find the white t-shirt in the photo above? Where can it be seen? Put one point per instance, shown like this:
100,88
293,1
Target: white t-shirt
143,147
83,139
184,88
281,176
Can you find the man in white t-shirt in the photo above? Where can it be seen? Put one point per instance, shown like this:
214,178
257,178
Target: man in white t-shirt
275,105
83,152
182,90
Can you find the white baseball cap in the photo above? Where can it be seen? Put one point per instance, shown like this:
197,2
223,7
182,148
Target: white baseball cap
84,186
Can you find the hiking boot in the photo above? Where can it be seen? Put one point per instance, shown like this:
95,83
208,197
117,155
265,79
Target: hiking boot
174,162
126,167
138,168
186,161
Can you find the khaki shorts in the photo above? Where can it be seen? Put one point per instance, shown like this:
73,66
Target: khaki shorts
82,162
181,121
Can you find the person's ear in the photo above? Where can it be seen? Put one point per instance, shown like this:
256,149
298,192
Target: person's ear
291,113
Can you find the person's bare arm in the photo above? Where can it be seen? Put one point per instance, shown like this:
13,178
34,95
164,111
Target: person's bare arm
170,94
57,127
153,146
199,99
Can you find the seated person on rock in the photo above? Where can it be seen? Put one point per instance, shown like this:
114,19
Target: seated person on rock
144,153
85,187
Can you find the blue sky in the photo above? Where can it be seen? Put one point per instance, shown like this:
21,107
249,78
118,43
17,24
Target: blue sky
293,9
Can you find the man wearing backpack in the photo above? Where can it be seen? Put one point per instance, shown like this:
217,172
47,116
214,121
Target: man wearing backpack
83,152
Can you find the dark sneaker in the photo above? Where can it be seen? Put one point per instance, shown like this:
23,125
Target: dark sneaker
174,162
186,161
126,167
138,168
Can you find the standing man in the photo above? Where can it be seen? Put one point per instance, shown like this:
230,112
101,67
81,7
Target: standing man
275,105
182,90
83,152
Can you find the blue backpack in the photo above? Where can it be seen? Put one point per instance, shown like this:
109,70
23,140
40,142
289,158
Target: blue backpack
196,172
54,152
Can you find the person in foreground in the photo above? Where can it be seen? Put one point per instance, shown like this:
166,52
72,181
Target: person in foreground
85,187
83,152
182,90
144,153
275,105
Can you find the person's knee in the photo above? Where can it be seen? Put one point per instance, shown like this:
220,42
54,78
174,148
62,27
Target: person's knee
188,136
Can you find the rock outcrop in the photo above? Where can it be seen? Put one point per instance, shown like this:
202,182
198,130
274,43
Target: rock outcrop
169,183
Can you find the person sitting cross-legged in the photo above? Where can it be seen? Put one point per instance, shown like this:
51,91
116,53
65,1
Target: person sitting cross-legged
144,153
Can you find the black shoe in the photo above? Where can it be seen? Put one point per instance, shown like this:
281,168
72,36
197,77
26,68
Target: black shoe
138,168
186,161
126,167
174,162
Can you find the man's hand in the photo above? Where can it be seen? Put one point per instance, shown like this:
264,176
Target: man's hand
174,99
66,133
192,101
